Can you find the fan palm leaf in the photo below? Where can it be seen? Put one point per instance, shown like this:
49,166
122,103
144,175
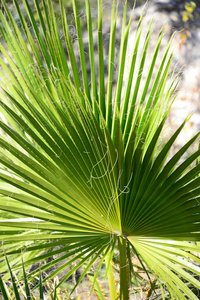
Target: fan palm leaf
81,163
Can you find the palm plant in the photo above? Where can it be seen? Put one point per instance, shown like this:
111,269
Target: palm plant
20,291
81,163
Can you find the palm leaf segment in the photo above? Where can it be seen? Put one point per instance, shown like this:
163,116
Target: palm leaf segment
80,163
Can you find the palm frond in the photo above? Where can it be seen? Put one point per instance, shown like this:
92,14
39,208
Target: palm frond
81,165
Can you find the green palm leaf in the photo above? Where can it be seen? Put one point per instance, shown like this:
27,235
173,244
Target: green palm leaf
81,166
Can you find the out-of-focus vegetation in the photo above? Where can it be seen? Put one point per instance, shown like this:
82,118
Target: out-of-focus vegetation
188,12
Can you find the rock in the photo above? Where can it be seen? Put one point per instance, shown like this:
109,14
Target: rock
171,5
167,6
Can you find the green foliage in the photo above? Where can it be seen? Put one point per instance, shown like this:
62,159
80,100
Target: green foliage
82,173
21,290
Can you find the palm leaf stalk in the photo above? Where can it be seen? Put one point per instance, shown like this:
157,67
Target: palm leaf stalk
81,163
